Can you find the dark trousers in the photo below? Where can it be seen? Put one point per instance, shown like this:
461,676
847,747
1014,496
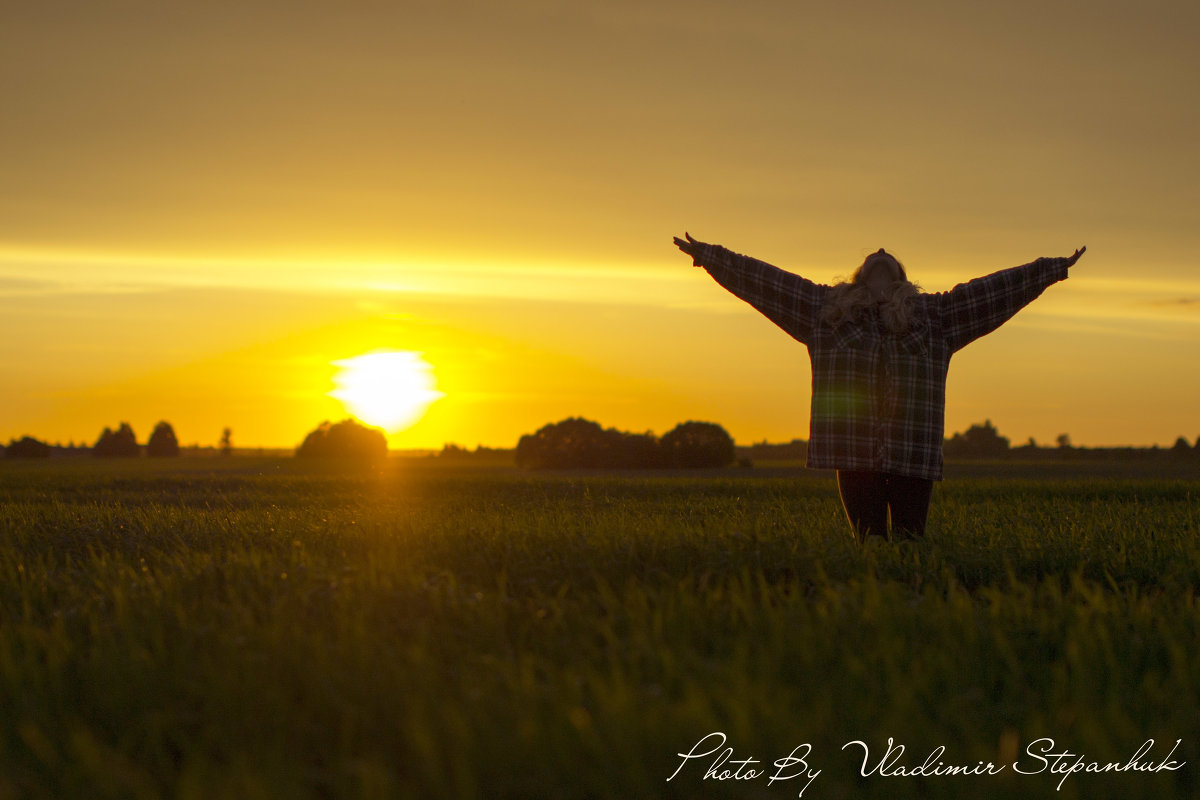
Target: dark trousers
868,496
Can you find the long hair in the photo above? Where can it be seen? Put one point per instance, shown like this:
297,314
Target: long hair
849,299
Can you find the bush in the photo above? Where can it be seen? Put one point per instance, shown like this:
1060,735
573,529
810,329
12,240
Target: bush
697,444
121,444
979,441
163,443
575,443
637,450
345,439
27,447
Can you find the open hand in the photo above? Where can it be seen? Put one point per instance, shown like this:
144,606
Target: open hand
1071,261
690,246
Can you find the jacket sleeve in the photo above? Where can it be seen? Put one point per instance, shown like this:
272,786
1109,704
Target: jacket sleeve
788,300
978,307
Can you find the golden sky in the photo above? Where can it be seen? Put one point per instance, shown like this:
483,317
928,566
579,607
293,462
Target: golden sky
204,206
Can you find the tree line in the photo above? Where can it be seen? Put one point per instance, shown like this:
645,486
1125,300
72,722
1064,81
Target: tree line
571,443
580,443
348,438
576,442
984,441
119,443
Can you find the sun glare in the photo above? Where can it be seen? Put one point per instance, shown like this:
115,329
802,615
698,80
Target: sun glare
390,389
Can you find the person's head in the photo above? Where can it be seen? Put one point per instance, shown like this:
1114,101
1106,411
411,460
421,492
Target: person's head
880,281
879,272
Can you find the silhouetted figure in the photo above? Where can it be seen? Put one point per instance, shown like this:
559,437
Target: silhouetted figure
880,350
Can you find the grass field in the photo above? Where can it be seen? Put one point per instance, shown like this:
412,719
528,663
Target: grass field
269,628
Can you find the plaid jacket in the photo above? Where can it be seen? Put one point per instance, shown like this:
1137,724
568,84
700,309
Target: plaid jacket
878,398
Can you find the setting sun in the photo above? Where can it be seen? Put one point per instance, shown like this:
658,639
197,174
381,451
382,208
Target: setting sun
390,389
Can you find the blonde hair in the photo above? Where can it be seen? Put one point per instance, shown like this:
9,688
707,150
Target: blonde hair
848,300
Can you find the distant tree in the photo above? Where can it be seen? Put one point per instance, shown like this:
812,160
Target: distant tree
345,439
979,441
1063,441
575,443
121,444
227,442
27,447
453,451
697,444
1181,449
795,450
1030,447
572,442
638,450
162,442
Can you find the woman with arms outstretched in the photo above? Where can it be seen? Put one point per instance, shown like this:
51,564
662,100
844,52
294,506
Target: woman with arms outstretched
880,351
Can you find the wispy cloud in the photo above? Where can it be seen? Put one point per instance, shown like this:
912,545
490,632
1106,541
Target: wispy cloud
1096,326
22,285
1189,303
651,285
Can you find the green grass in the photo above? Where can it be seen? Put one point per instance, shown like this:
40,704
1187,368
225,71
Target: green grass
270,628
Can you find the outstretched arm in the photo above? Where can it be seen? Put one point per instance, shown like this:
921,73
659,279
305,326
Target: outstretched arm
978,307
788,300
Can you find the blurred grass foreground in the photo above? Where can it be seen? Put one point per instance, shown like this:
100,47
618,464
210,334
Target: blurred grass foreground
279,629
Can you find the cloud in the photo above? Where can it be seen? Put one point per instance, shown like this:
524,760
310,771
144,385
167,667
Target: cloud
1189,303
24,285
677,285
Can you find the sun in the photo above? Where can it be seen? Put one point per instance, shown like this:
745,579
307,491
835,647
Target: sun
390,389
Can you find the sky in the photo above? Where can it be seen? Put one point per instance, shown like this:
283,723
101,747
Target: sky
206,208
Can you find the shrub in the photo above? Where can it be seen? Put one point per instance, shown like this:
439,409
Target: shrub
119,444
979,441
163,442
581,443
27,447
345,439
697,444
573,442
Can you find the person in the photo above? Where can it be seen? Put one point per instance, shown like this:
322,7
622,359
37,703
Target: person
880,350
